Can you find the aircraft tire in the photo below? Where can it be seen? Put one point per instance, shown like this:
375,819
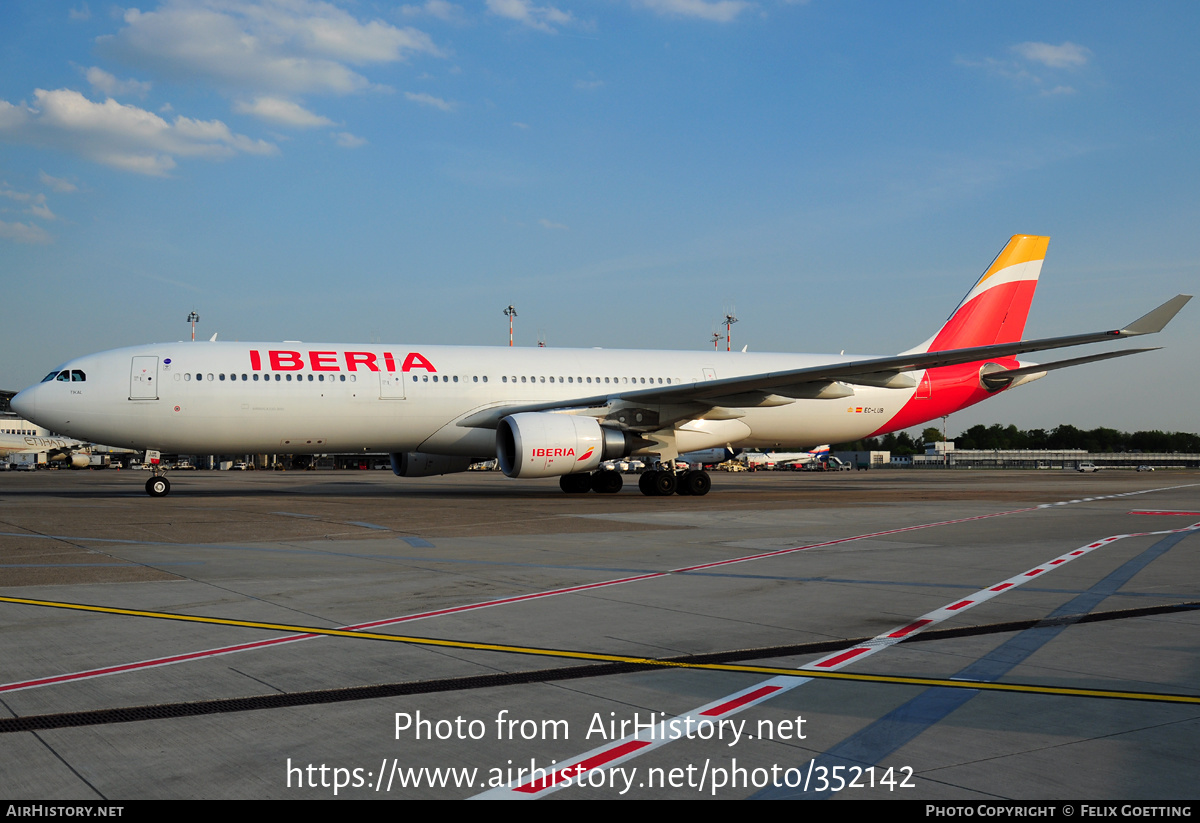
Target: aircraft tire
158,487
575,483
606,481
696,483
681,484
665,484
646,483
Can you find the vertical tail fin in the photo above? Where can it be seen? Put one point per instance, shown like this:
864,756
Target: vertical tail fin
995,309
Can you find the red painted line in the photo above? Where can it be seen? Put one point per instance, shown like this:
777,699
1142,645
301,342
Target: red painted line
1001,587
833,661
959,605
145,664
910,628
165,661
740,701
1056,562
1077,552
1035,571
557,777
847,540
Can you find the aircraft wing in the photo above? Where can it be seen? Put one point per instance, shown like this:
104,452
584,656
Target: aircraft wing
783,387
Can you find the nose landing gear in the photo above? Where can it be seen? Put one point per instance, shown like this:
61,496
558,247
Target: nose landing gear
158,486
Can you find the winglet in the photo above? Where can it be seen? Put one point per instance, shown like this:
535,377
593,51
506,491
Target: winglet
1156,320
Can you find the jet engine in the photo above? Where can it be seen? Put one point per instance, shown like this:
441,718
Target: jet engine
72,459
419,464
540,444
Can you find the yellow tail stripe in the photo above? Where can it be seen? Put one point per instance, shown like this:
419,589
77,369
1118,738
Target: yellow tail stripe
1022,248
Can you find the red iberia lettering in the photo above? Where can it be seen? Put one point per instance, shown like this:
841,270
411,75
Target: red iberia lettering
354,359
255,360
416,361
323,360
389,362
553,452
286,361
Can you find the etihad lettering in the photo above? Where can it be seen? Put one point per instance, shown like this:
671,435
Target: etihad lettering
351,361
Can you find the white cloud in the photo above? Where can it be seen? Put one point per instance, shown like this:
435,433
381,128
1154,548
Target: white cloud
13,194
24,232
542,18
1066,56
716,11
105,83
121,136
587,85
37,202
1036,64
79,14
43,211
348,141
547,224
280,46
57,183
520,125
282,112
429,100
440,9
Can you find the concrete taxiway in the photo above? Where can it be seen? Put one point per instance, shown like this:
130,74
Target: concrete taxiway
1079,589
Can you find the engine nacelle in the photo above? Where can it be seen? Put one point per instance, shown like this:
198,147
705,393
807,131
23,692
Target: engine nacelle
539,444
419,464
79,461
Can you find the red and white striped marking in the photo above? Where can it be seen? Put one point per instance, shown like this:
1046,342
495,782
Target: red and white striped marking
617,752
170,660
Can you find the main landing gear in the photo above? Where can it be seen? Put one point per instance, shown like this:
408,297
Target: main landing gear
651,483
658,483
158,486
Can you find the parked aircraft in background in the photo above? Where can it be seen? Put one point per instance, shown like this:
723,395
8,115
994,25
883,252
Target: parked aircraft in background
552,412
772,459
21,437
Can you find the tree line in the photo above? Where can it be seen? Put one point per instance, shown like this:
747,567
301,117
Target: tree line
1064,436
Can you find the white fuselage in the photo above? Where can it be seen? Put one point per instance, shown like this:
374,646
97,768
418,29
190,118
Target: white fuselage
316,398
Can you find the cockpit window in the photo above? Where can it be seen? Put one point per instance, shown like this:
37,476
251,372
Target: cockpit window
77,376
64,376
50,376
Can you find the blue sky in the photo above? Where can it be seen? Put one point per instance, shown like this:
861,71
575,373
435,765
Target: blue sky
620,170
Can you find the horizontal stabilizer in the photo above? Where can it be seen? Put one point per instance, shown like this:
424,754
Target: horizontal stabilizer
993,381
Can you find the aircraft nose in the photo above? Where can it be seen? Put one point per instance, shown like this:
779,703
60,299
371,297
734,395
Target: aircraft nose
23,403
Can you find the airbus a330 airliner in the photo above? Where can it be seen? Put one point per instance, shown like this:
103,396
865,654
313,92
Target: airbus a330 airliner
551,412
